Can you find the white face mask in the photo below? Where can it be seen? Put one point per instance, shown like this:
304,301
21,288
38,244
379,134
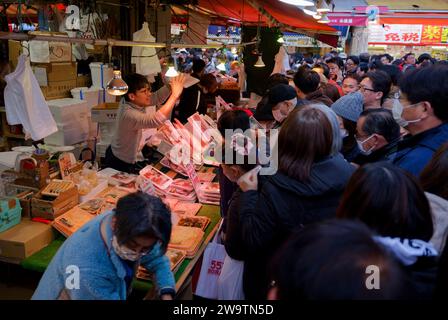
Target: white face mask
397,112
344,133
279,116
124,252
361,148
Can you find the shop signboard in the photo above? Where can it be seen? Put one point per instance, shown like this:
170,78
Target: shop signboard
405,34
395,34
348,20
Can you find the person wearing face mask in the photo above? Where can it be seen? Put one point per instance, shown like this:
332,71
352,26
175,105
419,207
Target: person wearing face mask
377,136
282,99
107,251
422,110
348,108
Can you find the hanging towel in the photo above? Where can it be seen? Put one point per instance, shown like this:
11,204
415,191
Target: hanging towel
145,59
25,103
281,61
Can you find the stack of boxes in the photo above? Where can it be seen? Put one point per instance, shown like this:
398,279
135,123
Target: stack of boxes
72,117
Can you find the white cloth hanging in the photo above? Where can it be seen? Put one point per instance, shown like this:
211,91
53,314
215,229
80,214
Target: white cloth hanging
281,61
145,59
25,103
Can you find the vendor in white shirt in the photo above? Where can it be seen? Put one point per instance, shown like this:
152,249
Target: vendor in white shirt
133,117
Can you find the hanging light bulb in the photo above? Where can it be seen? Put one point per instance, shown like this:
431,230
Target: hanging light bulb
281,39
317,16
221,67
116,86
311,11
323,6
259,63
299,2
324,19
171,72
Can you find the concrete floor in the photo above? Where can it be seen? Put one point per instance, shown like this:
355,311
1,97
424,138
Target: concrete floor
17,283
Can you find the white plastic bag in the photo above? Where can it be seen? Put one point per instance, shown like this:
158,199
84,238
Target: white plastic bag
212,263
145,59
230,282
25,103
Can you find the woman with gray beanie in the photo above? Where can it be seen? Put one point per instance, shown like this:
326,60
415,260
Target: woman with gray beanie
348,108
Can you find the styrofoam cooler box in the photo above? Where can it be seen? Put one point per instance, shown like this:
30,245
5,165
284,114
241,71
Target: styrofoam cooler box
67,135
93,96
73,120
101,148
101,74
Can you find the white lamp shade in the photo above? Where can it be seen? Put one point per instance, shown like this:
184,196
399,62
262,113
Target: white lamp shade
317,16
281,40
259,63
304,3
116,86
171,72
221,67
323,6
311,11
324,19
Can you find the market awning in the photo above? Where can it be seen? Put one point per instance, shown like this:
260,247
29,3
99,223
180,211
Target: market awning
272,13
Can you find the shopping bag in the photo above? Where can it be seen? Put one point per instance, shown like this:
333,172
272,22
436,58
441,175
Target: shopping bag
230,281
212,263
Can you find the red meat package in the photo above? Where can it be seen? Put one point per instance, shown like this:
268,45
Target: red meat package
159,179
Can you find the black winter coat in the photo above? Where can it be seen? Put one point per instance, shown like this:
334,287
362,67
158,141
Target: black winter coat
262,220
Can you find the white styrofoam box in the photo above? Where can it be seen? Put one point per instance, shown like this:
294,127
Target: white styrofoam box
91,95
69,110
100,71
68,135
106,132
104,115
101,148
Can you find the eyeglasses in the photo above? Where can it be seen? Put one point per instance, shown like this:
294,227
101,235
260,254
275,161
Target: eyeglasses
363,88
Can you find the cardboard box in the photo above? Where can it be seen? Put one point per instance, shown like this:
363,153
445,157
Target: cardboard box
50,209
55,72
83,81
58,51
25,239
14,51
25,202
58,90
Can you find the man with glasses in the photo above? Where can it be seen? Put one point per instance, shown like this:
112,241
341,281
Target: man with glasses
422,110
375,88
133,117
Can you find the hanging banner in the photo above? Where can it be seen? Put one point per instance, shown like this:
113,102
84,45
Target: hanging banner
396,34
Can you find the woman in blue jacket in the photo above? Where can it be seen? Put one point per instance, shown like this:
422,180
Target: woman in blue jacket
99,261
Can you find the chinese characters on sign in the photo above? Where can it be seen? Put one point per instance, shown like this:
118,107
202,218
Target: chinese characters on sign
395,33
408,34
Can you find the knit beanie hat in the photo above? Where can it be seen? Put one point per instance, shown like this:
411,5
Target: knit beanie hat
349,106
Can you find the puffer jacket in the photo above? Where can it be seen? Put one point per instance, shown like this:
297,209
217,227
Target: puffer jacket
268,216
